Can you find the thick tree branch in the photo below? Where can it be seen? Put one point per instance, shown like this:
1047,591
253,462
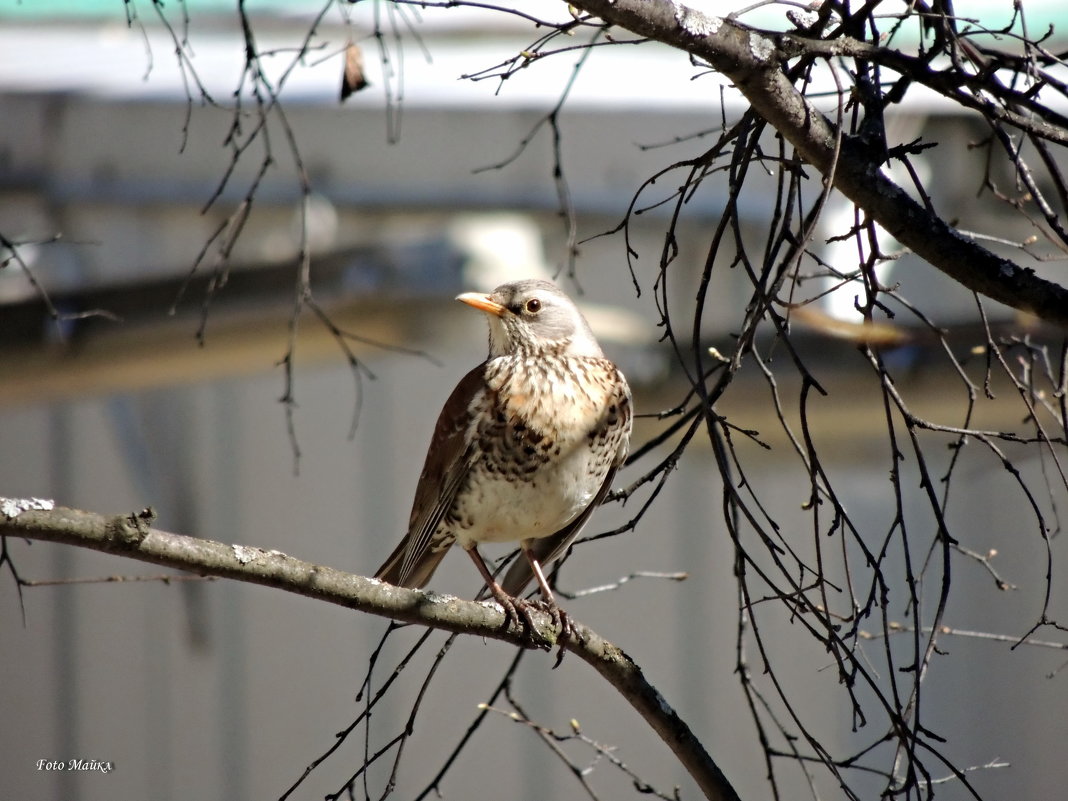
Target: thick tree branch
132,536
753,62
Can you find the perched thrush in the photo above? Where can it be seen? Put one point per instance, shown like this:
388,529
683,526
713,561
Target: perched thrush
525,448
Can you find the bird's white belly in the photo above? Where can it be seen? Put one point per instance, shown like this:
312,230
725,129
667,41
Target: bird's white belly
501,509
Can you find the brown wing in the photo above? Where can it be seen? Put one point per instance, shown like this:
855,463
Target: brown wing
448,461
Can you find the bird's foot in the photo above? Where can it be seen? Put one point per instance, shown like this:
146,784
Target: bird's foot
518,611
562,621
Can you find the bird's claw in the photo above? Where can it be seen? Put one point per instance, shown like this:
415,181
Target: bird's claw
561,618
518,612
562,621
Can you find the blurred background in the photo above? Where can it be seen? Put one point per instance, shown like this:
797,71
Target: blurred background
216,690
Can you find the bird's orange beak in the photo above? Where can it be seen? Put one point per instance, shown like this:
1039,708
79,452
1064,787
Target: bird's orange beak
482,303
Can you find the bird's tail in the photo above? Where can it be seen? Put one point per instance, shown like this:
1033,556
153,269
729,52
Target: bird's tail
418,575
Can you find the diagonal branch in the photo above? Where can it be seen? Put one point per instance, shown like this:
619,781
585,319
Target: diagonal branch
132,536
752,61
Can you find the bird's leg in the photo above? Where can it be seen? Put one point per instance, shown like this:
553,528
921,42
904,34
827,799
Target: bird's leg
515,610
560,617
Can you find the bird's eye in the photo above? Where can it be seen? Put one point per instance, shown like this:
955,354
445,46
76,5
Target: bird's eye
533,306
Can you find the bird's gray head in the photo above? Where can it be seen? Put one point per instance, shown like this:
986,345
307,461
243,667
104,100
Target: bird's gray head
533,315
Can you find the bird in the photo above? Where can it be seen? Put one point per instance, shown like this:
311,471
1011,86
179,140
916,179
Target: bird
524,449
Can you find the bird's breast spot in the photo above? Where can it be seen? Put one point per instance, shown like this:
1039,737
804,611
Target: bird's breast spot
517,403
